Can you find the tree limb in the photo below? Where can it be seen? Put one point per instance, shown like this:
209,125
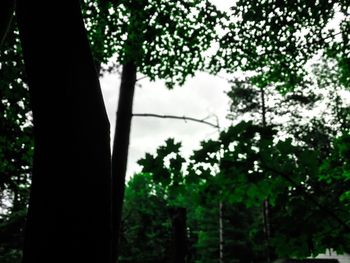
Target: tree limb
203,121
141,78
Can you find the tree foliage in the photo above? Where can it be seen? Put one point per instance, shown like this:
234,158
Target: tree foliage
165,39
277,38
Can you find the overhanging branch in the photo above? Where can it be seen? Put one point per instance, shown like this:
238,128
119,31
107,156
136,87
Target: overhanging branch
184,118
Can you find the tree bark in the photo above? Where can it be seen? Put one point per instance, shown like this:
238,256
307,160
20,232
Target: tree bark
69,217
121,148
178,221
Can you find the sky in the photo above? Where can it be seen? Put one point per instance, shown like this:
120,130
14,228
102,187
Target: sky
202,96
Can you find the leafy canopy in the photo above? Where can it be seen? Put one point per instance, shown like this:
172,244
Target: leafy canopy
165,39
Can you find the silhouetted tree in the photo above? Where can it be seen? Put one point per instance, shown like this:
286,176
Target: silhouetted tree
69,216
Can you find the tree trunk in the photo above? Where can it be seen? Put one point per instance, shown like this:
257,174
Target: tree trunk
266,207
16,197
121,147
221,233
69,217
178,221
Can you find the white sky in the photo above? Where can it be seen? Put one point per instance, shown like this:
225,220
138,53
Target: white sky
200,97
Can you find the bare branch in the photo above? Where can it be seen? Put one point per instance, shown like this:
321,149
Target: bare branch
141,78
184,118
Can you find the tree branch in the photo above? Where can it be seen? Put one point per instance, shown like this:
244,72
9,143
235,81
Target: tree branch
141,78
184,118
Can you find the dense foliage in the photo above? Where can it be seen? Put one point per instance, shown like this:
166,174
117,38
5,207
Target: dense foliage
165,39
277,38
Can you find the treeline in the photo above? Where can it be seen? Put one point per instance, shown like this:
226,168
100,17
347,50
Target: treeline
272,186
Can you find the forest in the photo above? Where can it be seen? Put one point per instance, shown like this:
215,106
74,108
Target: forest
273,185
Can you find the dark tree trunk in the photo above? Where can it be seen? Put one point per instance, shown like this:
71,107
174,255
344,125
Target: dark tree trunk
266,207
121,147
16,204
178,222
221,232
69,217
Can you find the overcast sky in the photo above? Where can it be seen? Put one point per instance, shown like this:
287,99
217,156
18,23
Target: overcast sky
201,96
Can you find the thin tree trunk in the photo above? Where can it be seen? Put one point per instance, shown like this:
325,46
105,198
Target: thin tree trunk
266,201
263,107
267,228
16,196
221,233
178,222
121,147
69,217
